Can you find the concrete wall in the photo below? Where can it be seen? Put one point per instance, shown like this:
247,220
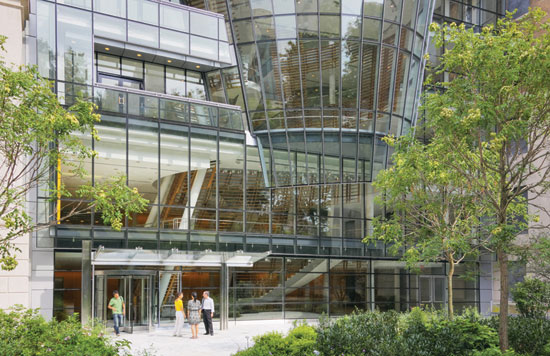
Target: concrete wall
15,285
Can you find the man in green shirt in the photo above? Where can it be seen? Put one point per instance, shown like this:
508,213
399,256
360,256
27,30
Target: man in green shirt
117,305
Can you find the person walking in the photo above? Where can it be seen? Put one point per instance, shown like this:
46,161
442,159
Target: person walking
207,312
117,305
193,315
178,305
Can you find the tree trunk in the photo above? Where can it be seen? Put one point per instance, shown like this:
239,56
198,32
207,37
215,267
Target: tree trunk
450,288
503,320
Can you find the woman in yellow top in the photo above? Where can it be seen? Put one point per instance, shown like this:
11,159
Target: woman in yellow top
178,304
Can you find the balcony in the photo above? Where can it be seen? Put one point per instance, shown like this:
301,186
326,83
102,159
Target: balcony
167,107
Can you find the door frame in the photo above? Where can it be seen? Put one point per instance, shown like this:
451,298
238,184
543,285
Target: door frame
126,276
431,279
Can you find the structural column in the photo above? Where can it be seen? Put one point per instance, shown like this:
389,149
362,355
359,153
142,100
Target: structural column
86,288
224,297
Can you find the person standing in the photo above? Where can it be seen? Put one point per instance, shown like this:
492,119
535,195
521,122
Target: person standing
207,312
193,315
178,305
117,305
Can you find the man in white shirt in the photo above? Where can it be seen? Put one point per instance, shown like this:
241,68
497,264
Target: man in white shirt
207,312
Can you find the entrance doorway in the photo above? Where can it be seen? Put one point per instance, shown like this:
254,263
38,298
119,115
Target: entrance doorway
135,288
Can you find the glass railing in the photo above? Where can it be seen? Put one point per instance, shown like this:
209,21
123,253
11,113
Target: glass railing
167,26
167,107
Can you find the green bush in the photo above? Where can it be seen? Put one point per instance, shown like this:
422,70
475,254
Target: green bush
532,298
24,332
300,341
371,333
527,336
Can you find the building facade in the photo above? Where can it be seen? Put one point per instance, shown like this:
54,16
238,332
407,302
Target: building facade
254,129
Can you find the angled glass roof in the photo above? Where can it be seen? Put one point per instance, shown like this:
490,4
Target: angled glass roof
139,257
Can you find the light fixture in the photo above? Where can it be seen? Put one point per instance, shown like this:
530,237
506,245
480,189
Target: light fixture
139,54
107,48
169,61
197,66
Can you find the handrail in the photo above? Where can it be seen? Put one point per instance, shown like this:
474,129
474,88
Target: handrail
169,97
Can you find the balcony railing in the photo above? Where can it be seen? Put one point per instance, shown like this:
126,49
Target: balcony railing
167,107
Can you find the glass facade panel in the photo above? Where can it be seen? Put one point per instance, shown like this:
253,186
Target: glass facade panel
204,47
109,27
111,7
174,18
175,81
174,41
74,45
154,77
373,7
215,87
143,11
204,25
143,34
45,38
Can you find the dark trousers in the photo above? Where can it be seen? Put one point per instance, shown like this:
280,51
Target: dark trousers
207,319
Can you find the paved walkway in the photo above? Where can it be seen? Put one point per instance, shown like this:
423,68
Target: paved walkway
223,343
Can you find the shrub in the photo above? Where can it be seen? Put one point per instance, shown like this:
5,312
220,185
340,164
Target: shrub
299,342
527,336
532,298
24,332
371,333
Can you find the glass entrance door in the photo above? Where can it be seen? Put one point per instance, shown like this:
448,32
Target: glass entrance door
136,291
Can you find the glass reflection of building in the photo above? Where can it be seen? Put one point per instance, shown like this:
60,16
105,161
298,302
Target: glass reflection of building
250,126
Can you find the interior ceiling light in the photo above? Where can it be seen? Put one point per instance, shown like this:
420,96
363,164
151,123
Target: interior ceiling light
139,54
197,66
169,61
107,48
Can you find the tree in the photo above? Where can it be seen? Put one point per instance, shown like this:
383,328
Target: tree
36,137
494,117
435,215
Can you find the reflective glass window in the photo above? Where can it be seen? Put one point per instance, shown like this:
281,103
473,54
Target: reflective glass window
401,78
390,34
407,38
409,13
143,11
350,73
225,53
309,51
204,25
240,8
233,88
222,30
108,64
86,4
331,6
351,27
330,65
174,165
329,26
284,6
411,89
264,29
271,79
422,17
174,41
373,7
231,176
203,161
175,81
74,45
195,86
111,7
204,47
154,77
143,167
306,6
46,39
371,29
215,86
261,7
307,26
392,10
369,75
385,80
243,31
290,75
109,27
143,34
250,67
352,7
132,68
285,26
174,18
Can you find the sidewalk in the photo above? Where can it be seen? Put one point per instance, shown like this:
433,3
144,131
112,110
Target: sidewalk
223,343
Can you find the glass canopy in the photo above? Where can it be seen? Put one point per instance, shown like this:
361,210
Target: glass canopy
140,257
